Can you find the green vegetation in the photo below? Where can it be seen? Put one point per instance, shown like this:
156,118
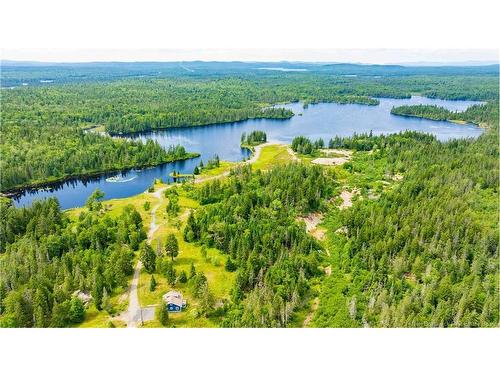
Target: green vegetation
425,253
253,138
43,137
417,246
162,314
271,156
224,166
251,218
47,258
305,146
196,271
33,154
478,114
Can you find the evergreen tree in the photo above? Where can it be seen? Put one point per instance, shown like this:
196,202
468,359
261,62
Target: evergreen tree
148,257
152,283
230,266
183,277
172,246
170,274
97,290
94,201
106,303
192,271
76,311
162,314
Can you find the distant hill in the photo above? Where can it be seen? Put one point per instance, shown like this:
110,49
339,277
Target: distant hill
17,73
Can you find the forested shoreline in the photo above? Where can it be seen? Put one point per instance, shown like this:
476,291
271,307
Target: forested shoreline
418,246
479,114
42,125
426,253
72,153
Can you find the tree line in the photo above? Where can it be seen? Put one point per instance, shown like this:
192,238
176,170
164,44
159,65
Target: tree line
478,113
33,155
252,218
47,259
253,138
425,254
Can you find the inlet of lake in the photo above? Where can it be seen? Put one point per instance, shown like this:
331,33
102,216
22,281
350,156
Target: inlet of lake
324,120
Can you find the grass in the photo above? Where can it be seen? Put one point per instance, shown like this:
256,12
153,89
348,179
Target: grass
119,298
306,159
224,166
101,319
181,175
272,155
114,207
220,281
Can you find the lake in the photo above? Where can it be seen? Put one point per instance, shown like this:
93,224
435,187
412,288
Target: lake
324,120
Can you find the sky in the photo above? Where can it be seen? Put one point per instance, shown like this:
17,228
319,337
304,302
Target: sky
363,31
365,56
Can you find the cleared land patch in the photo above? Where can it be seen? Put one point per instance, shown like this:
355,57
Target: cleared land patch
333,157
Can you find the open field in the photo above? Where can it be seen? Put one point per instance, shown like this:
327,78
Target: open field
272,155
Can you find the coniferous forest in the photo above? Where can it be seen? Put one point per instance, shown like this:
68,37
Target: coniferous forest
418,246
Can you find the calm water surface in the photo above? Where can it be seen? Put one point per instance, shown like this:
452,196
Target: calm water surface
317,121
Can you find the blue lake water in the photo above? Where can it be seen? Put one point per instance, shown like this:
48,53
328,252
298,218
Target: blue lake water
324,120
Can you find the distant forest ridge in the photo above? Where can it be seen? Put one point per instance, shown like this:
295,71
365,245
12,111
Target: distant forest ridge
17,73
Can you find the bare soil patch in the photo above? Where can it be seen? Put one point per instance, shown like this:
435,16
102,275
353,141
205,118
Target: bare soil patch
312,221
329,151
309,316
339,157
395,177
328,270
330,161
347,196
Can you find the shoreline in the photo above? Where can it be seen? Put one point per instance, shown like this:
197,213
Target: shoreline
18,190
453,121
133,133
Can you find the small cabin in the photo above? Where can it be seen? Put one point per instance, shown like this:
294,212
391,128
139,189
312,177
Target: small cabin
174,301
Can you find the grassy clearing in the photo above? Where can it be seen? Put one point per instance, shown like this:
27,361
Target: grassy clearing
101,319
212,265
271,156
224,166
219,280
114,207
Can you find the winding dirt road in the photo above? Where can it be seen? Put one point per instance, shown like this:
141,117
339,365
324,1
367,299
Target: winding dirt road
135,314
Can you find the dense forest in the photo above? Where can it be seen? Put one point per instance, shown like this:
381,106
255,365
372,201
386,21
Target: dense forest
40,121
252,218
47,260
32,155
422,253
480,114
49,74
305,146
425,253
253,138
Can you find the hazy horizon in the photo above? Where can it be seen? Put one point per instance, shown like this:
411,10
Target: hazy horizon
353,56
